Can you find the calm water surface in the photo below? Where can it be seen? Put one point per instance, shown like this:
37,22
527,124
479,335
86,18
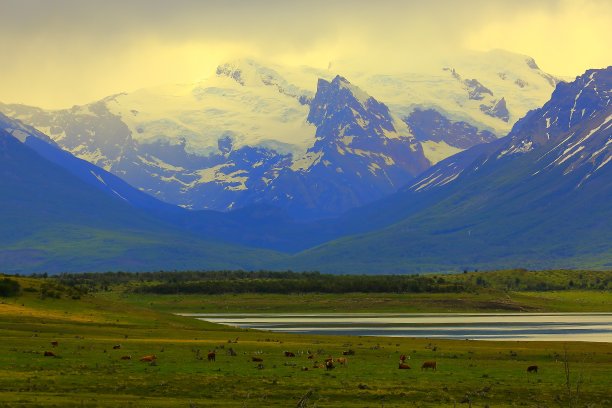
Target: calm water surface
474,326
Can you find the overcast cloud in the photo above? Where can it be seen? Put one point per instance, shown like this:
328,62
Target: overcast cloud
63,52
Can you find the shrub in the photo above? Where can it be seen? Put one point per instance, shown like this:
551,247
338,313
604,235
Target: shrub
9,287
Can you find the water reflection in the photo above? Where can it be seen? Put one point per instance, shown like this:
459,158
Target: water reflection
475,326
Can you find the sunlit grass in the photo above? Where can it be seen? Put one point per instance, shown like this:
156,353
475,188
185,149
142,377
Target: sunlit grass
89,372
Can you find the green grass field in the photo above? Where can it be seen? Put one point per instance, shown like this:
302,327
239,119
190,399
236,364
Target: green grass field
89,372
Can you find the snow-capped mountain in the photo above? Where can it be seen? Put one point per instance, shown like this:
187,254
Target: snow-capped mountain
489,90
537,198
362,153
571,133
83,170
223,142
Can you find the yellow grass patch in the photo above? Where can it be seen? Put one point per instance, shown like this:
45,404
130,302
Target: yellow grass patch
17,310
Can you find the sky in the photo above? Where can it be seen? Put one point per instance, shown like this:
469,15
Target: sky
58,53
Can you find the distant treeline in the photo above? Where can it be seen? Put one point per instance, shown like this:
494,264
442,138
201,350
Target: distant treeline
218,282
537,281
321,284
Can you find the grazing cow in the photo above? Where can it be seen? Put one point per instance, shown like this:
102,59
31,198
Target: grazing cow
257,359
329,365
54,344
126,357
49,354
403,366
116,346
532,369
148,359
342,360
429,364
348,352
289,354
211,356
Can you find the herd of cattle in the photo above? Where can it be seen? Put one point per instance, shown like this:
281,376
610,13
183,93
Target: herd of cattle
329,363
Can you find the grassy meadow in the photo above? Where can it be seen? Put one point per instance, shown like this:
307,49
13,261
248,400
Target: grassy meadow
88,372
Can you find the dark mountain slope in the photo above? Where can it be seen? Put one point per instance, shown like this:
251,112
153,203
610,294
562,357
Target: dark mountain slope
52,221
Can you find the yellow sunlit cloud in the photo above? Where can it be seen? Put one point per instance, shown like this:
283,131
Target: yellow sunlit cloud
565,40
57,54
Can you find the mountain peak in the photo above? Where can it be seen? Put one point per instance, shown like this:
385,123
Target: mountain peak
570,104
340,95
342,83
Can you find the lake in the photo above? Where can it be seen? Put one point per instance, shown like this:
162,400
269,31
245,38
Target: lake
595,327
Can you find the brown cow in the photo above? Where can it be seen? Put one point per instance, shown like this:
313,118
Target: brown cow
116,346
54,343
403,366
126,357
403,358
289,354
342,360
429,364
532,369
211,356
148,359
49,354
329,365
348,352
256,359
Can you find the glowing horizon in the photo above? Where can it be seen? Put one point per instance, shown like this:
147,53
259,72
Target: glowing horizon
66,52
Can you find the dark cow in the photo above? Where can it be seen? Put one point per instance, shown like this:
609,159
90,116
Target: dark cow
126,357
148,359
116,346
311,356
54,343
532,369
211,356
403,366
289,354
348,352
429,364
257,359
329,365
49,354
